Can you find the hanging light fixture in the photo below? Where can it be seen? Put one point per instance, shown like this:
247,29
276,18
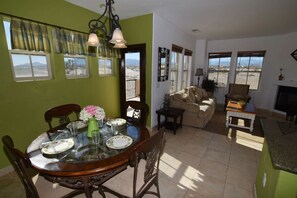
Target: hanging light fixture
112,33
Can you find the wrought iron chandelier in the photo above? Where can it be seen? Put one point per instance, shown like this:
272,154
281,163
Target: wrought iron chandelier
98,27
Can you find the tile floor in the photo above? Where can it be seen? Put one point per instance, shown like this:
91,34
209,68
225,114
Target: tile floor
195,163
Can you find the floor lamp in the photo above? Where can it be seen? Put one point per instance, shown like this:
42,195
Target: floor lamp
199,72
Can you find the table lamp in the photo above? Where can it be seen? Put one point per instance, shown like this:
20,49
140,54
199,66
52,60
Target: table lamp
199,72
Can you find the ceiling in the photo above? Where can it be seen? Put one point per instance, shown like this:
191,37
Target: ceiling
214,19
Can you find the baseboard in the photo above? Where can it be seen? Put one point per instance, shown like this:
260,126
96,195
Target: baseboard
6,170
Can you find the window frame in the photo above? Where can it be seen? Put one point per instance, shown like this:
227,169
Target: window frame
112,66
250,54
219,55
75,57
29,53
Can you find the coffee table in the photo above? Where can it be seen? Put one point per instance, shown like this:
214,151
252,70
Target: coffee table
234,109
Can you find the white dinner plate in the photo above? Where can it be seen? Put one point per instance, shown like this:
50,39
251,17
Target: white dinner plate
58,146
120,121
119,142
79,124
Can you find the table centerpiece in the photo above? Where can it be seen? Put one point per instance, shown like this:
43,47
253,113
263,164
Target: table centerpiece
92,115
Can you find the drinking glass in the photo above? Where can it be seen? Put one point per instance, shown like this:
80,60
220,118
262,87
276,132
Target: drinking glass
96,137
114,127
73,128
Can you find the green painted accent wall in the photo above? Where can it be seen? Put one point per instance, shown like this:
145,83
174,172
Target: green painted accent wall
23,104
279,183
139,30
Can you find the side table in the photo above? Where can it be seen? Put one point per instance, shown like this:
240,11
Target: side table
171,113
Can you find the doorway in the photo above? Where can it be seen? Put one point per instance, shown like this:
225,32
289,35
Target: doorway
132,75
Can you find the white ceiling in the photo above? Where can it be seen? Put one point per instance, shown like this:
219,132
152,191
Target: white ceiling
215,19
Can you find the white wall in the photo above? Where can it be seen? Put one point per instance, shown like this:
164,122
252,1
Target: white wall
164,35
200,60
278,50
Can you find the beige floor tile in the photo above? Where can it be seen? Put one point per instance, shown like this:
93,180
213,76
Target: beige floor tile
185,158
234,191
217,156
171,189
220,143
203,133
208,187
214,169
195,150
240,178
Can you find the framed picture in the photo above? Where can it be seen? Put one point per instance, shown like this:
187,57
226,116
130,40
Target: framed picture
294,54
163,63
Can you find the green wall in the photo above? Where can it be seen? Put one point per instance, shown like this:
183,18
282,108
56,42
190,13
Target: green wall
139,30
23,104
279,183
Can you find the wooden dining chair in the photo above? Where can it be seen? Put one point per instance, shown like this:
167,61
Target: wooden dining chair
138,112
62,113
20,163
137,180
22,166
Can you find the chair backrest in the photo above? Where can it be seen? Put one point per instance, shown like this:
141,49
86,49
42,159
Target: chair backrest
61,112
150,152
239,89
139,112
21,164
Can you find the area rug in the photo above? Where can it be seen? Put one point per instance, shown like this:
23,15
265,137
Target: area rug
217,124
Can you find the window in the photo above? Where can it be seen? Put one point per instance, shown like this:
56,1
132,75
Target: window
75,66
174,72
28,64
105,66
249,68
186,68
176,57
218,67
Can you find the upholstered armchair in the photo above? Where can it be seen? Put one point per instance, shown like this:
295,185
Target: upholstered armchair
237,92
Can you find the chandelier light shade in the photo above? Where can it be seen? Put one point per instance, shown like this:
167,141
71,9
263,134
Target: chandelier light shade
120,45
93,40
117,37
106,26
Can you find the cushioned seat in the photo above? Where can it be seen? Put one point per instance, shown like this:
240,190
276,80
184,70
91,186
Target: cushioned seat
198,106
237,92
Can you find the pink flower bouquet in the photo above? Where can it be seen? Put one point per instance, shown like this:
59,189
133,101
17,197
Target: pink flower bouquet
92,111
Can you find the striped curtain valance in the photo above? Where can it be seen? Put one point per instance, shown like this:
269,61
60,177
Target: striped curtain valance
106,50
27,35
69,42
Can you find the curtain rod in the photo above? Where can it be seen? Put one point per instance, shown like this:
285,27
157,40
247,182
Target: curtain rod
10,15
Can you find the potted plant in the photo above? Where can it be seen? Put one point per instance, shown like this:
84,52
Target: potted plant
209,85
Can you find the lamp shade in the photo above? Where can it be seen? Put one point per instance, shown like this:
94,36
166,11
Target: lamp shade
93,40
120,45
117,37
199,72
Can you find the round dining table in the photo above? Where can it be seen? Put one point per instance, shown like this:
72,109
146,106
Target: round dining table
84,166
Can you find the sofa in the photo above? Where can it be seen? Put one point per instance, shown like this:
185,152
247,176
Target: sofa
198,105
